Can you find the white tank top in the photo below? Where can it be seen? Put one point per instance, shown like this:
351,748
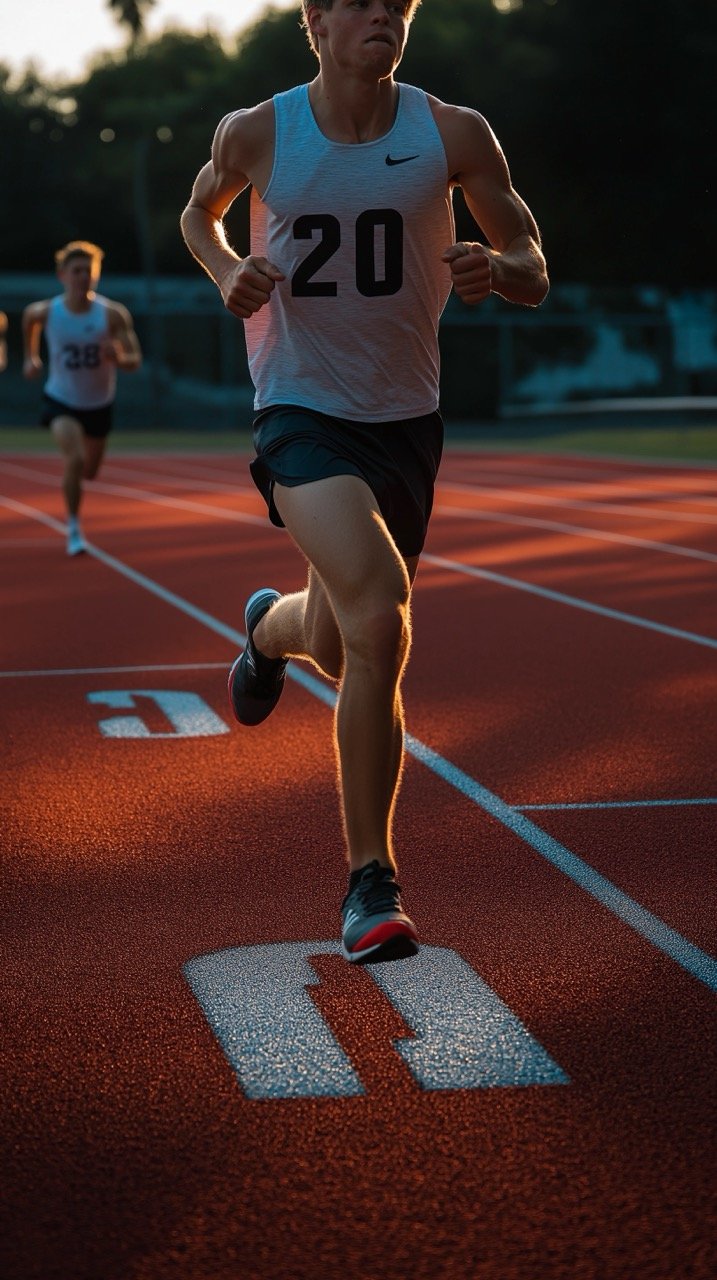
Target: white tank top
78,376
358,230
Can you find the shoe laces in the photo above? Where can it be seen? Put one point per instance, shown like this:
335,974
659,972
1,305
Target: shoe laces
268,671
377,890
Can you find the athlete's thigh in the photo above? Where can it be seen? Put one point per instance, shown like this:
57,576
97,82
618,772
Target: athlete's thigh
337,525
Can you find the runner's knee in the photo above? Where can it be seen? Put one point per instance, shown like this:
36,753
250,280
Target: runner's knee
379,635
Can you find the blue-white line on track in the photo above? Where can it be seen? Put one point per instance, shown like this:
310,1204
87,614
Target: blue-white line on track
575,602
671,943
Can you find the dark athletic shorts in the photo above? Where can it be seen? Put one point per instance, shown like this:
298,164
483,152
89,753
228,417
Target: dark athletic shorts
398,460
96,423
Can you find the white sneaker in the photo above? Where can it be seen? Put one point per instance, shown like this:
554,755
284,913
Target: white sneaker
75,543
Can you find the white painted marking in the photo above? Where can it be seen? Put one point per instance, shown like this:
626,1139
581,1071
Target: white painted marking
575,504
575,602
279,1046
466,1037
192,481
256,1002
667,940
576,531
187,713
144,495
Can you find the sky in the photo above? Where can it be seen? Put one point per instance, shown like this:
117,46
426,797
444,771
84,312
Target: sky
61,38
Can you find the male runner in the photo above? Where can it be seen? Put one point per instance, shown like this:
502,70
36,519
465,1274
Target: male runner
88,338
352,261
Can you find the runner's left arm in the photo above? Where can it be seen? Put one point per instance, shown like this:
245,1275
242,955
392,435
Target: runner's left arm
122,346
512,263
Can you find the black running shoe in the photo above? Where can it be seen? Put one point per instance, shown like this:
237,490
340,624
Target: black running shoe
255,682
375,926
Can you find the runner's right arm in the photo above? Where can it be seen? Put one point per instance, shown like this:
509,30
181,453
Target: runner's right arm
33,323
242,145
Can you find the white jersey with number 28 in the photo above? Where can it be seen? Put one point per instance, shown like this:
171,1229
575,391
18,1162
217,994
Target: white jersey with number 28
79,377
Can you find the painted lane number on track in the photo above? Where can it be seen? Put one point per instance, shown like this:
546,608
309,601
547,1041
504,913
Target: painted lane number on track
188,714
279,1045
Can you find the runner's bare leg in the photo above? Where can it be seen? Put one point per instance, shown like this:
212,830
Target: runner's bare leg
359,593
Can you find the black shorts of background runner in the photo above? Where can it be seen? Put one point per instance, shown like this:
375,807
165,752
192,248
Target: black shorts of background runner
96,423
398,460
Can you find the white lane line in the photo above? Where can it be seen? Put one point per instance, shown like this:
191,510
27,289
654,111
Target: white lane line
195,477
242,517
615,615
592,479
456,566
201,468
51,672
671,943
142,495
545,500
169,481
577,531
618,460
672,488
587,482
194,480
33,513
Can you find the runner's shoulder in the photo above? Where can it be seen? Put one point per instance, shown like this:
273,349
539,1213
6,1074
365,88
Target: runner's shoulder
243,137
465,133
38,310
116,311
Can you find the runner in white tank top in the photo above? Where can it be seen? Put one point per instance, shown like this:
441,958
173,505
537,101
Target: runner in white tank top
79,374
359,230
88,338
351,261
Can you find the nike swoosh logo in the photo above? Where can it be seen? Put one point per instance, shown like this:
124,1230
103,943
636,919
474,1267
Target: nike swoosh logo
402,160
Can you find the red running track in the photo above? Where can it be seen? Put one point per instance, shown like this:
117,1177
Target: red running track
557,844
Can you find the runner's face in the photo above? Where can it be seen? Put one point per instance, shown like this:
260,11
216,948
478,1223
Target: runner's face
366,34
78,278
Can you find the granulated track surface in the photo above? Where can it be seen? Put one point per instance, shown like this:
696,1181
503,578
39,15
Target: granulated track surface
196,1084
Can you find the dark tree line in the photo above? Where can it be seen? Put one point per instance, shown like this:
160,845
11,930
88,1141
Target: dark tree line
604,109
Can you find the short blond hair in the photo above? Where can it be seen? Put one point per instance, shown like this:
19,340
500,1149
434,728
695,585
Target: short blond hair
411,7
80,249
